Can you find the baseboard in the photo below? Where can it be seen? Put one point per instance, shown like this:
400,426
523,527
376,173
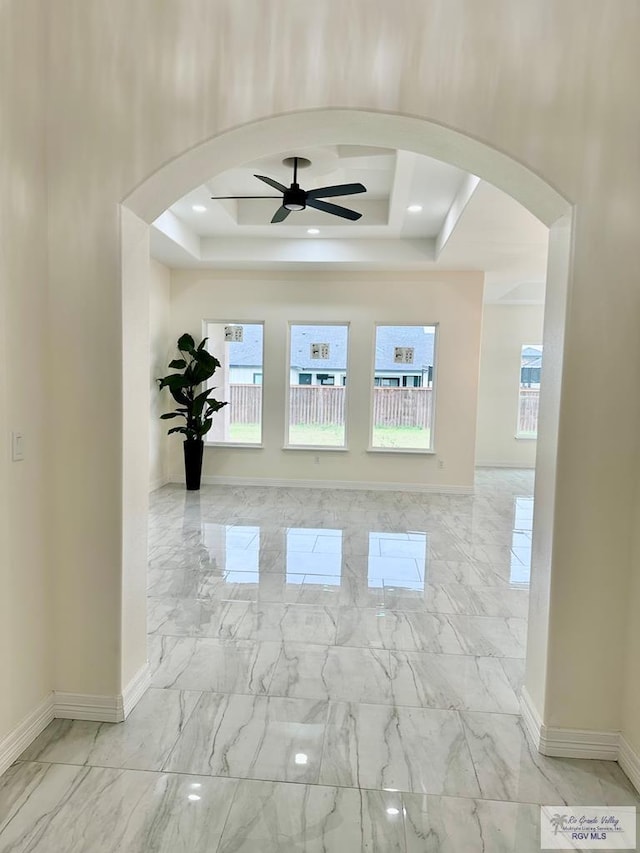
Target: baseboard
629,760
87,706
104,709
158,483
579,743
531,719
72,706
14,744
517,465
135,689
356,485
567,743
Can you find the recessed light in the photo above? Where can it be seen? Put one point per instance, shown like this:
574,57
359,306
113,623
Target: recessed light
313,230
414,208
194,798
393,811
301,758
199,208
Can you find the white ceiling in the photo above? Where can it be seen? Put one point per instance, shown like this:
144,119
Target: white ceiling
464,223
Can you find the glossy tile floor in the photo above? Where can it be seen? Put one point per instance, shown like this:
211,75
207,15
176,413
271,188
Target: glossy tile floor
332,672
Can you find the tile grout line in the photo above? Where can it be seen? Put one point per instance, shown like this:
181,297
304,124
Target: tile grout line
240,779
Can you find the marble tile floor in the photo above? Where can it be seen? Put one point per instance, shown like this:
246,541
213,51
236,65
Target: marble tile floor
331,672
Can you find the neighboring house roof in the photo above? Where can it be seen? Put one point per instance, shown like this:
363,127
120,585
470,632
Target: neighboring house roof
532,357
389,337
249,353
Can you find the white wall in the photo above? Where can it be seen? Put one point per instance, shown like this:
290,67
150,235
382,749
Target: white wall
453,300
136,403
505,330
25,487
631,710
162,350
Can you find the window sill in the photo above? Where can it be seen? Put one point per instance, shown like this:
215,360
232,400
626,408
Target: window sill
526,437
315,448
234,445
413,450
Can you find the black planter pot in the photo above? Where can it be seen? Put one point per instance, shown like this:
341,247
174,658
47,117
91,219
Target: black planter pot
193,463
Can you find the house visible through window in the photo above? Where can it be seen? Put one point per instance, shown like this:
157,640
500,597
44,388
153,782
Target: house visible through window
529,396
403,387
317,385
238,380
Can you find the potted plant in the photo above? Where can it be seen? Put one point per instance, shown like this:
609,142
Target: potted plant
195,366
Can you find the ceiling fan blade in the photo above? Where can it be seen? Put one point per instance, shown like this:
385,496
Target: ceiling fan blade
340,189
335,209
280,214
271,183
220,197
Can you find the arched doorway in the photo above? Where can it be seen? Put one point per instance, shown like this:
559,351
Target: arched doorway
299,130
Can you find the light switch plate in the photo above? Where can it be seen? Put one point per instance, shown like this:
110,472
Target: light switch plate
17,446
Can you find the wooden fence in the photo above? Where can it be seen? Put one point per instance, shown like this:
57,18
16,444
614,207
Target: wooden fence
528,417
245,403
324,405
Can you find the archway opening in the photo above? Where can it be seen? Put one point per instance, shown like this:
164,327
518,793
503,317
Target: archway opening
295,132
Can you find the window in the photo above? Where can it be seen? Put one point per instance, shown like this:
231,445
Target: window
317,411
239,348
325,379
403,392
529,396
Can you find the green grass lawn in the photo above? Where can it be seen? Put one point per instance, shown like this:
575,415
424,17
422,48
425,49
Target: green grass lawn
409,438
331,435
412,438
245,433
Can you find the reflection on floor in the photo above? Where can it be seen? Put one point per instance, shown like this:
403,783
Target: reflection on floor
332,671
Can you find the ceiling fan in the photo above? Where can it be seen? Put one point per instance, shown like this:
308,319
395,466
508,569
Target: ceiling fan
295,198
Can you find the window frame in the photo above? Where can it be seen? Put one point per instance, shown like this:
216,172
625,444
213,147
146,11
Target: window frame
240,444
347,397
430,451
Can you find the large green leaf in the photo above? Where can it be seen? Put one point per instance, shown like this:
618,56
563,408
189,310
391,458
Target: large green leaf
189,374
180,397
173,380
215,406
186,343
202,343
178,429
172,415
178,364
199,403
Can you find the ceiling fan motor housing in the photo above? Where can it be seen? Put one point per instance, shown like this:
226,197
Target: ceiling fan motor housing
294,198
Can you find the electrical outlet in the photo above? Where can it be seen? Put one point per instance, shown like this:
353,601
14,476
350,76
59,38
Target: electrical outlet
316,460
440,463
